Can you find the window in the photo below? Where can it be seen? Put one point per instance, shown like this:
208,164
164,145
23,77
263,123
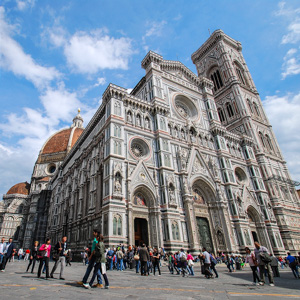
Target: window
269,143
256,109
262,139
217,80
250,106
221,114
117,225
229,110
117,108
117,148
117,130
175,231
240,75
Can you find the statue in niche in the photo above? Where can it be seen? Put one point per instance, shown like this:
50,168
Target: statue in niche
118,186
220,238
129,117
147,123
183,158
138,120
172,195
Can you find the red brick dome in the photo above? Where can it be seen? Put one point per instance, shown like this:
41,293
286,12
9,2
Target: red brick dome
62,141
19,188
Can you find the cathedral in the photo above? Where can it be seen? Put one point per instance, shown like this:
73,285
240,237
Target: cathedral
183,160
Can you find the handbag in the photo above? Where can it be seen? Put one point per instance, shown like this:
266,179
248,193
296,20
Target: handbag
41,254
55,256
136,257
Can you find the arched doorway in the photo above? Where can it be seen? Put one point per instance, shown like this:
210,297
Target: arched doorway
141,232
202,196
145,219
253,219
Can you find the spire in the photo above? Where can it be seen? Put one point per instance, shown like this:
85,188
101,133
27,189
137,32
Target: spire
77,121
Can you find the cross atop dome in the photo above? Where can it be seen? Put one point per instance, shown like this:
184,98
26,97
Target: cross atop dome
77,121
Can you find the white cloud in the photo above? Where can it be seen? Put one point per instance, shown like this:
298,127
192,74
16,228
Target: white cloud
89,53
293,36
60,104
14,59
100,81
291,64
283,113
23,4
155,29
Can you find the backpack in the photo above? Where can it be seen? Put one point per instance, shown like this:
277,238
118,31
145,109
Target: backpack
183,257
265,257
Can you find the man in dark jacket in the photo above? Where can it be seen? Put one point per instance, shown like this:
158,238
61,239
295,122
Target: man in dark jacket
10,247
144,257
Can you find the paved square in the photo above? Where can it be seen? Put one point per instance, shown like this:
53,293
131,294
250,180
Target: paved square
15,283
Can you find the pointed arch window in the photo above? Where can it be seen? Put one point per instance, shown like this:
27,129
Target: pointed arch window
175,231
117,225
229,110
269,143
217,80
250,105
256,109
262,139
221,114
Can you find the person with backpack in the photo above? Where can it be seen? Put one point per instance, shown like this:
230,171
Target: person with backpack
183,262
207,262
171,263
120,257
263,258
213,264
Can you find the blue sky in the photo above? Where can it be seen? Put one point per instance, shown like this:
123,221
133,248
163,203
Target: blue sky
56,56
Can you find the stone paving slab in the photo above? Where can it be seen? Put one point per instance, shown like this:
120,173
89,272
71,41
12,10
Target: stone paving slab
15,283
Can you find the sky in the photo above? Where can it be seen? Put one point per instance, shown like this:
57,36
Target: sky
57,56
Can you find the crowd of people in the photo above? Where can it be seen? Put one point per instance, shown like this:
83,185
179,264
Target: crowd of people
145,261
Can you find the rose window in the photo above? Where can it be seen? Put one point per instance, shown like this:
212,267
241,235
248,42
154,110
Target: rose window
139,148
185,107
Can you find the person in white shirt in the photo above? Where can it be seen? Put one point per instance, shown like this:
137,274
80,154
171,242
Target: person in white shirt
251,260
208,274
2,249
20,253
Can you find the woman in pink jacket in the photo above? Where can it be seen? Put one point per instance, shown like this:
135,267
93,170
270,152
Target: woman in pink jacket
44,256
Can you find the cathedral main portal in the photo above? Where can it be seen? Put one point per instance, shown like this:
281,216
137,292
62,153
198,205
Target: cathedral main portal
141,232
204,232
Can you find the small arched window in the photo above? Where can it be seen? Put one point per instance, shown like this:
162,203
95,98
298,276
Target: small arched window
221,114
262,139
217,80
250,105
229,110
256,109
269,143
175,231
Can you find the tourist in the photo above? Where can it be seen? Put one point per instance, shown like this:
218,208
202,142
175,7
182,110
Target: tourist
60,257
183,262
120,256
20,254
44,257
100,263
190,263
213,264
274,266
110,255
33,256
2,249
207,262
252,261
92,263
293,263
8,254
68,257
156,261
263,259
171,262
136,258
27,253
144,258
